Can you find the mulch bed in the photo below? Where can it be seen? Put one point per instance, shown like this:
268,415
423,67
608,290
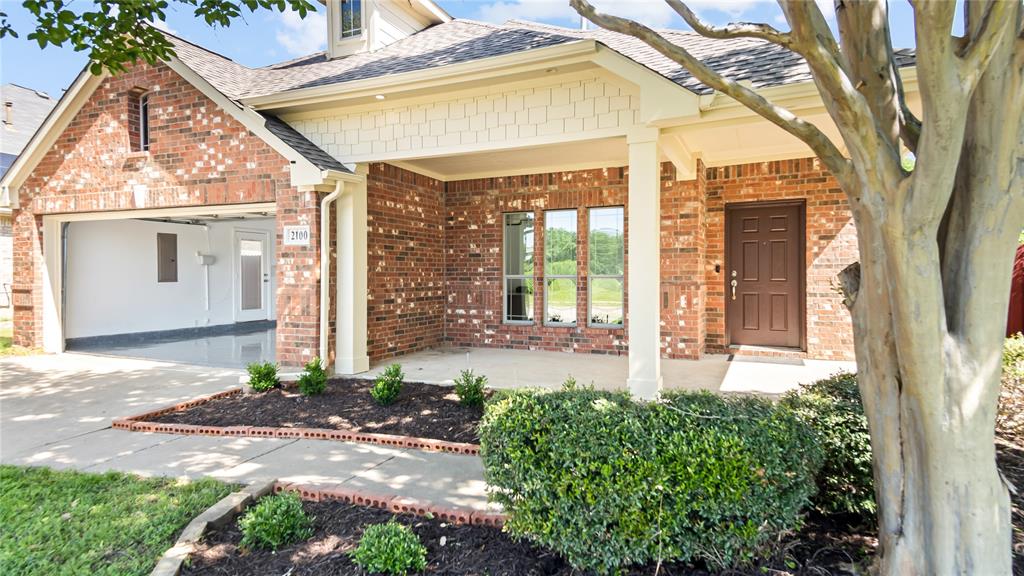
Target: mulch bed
422,410
1011,463
826,545
823,547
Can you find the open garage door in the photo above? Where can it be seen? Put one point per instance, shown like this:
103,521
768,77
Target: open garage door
194,288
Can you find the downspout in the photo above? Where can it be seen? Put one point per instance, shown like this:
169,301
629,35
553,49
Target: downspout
325,268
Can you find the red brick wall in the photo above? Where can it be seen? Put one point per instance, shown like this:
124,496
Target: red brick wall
199,155
405,243
473,260
683,252
830,236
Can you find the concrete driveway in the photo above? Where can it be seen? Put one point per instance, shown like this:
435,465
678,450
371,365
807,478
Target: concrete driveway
56,411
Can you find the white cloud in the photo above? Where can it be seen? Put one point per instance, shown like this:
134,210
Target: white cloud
161,25
651,12
654,13
301,36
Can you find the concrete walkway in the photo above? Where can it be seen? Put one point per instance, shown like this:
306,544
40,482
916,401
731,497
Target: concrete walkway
56,411
515,368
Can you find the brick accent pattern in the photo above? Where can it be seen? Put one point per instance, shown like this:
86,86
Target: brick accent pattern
138,423
398,504
405,243
831,242
199,156
473,258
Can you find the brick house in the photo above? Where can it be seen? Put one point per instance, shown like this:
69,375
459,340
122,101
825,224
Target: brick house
456,183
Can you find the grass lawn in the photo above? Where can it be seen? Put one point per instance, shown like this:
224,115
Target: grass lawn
6,335
76,523
7,347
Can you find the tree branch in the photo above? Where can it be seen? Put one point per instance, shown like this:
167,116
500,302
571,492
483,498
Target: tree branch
822,146
983,42
737,30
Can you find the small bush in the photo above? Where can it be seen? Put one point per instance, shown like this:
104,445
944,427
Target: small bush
313,380
833,409
275,521
390,548
608,482
388,385
263,377
1010,415
470,388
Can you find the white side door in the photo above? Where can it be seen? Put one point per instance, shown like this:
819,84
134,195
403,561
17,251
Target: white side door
252,276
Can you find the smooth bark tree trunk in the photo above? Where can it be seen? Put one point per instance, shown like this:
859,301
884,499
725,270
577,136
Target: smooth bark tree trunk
943,508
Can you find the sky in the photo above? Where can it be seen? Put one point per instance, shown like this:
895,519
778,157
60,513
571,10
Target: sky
265,37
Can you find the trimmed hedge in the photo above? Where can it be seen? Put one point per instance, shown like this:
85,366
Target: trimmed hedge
608,482
832,407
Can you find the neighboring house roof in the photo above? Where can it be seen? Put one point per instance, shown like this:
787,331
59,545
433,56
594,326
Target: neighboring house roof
24,109
761,63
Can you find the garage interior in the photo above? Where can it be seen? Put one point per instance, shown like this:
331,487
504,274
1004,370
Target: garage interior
196,288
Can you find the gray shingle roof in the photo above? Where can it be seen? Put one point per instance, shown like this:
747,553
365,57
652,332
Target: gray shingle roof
300,144
28,110
761,63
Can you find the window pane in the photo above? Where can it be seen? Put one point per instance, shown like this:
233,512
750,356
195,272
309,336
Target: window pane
519,299
357,17
606,241
560,242
519,244
346,18
560,299
606,301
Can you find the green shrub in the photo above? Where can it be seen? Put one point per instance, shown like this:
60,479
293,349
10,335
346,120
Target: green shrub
388,385
1010,415
263,377
313,379
470,388
833,409
608,482
390,548
275,521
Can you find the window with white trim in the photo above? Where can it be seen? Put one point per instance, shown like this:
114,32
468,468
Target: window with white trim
351,15
517,266
560,239
144,121
606,263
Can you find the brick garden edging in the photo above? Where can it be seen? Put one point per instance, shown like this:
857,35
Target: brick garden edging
138,423
217,515
233,504
394,503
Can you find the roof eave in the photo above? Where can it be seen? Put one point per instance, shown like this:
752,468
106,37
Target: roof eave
482,68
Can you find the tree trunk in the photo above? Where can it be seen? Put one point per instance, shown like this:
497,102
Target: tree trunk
943,508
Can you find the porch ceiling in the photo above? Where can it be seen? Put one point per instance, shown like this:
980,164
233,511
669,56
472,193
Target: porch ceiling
600,153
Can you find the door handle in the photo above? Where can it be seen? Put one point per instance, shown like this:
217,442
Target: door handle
733,284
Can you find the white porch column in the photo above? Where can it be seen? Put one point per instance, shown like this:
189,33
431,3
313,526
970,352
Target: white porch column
350,353
644,264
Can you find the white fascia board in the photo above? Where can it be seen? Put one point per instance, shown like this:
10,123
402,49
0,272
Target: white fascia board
431,10
662,101
303,172
481,69
48,132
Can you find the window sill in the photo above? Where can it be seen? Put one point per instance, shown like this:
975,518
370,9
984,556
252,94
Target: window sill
560,325
517,322
138,154
607,326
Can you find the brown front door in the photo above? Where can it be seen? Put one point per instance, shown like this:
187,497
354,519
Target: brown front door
764,268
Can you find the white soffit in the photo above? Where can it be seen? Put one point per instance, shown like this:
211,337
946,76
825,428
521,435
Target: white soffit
602,153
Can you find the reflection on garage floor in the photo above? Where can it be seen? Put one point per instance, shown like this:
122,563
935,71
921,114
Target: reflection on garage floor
231,346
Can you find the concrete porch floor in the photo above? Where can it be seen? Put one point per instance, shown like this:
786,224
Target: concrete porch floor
522,368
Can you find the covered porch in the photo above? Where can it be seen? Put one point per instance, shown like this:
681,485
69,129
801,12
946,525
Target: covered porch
538,368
